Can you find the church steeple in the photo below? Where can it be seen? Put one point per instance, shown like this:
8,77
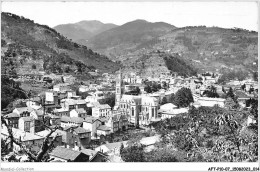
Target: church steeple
118,88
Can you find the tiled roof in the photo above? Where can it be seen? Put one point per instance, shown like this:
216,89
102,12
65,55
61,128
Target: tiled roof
12,115
60,110
25,136
103,106
69,101
65,153
80,102
103,128
77,120
103,119
80,130
241,94
24,109
65,119
81,110
89,152
90,119
44,133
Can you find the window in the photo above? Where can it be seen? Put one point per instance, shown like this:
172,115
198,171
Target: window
27,126
152,112
133,111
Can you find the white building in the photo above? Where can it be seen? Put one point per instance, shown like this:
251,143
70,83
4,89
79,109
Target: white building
207,101
102,110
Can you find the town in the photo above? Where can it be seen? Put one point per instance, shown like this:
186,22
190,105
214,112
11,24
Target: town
96,121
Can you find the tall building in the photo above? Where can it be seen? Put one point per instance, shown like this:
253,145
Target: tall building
118,89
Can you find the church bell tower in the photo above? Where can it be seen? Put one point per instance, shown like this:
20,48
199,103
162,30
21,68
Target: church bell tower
118,89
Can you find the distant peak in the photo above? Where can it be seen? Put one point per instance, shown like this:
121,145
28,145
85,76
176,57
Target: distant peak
139,21
91,21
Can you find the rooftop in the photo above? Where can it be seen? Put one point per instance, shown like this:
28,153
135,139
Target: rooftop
25,136
12,115
65,153
104,128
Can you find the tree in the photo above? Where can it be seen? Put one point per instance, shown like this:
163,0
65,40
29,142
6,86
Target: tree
255,76
164,101
47,145
133,153
121,148
183,97
209,93
33,66
231,94
243,87
230,104
148,89
163,155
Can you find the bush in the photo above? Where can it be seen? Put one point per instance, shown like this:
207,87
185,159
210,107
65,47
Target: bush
33,66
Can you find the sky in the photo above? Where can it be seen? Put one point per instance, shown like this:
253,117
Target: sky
180,14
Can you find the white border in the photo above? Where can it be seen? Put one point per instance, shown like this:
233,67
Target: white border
130,166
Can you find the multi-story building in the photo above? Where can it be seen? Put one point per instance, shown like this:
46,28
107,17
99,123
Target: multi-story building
102,110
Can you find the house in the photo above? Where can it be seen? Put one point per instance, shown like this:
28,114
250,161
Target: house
91,123
102,110
30,140
12,119
61,87
38,116
61,112
71,93
95,156
167,106
27,124
73,104
58,139
111,148
207,101
83,88
70,121
149,142
51,97
23,111
251,120
117,121
82,113
81,137
69,78
68,155
103,130
54,120
34,103
95,96
172,112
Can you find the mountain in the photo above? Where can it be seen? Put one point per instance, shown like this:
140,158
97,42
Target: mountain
128,36
212,48
28,47
73,31
152,64
83,30
203,48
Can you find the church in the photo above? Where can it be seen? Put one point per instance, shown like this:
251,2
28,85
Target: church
140,109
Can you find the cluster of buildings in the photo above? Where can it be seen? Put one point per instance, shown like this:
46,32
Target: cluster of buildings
82,120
